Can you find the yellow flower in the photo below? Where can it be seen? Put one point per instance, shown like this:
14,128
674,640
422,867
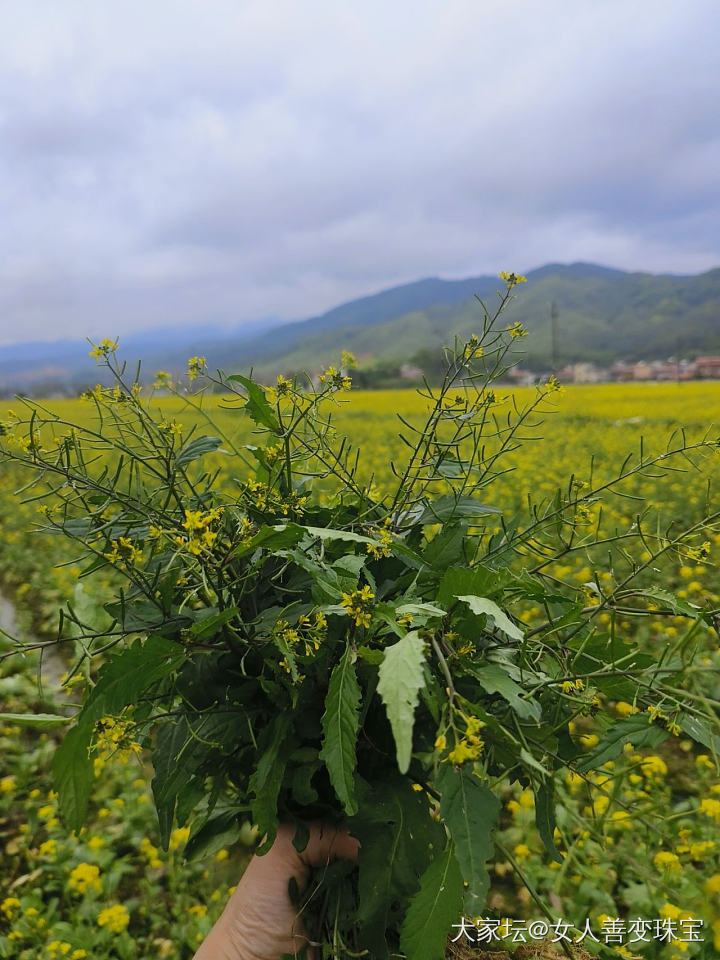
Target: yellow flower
625,709
96,843
198,910
465,750
162,380
665,860
221,855
179,837
151,852
359,605
712,884
115,918
85,877
511,278
103,349
711,808
589,740
9,906
522,851
78,955
48,848
441,742
703,760
653,767
516,330
196,365
7,784
600,805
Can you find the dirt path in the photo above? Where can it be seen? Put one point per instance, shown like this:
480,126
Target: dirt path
53,665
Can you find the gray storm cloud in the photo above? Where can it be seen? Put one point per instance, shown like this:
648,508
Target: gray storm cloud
182,162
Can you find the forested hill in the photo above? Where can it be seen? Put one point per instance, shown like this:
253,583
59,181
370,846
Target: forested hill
602,315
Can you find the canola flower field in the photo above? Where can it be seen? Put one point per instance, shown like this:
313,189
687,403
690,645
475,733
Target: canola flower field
638,840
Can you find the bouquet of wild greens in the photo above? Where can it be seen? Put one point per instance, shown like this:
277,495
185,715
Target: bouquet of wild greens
292,644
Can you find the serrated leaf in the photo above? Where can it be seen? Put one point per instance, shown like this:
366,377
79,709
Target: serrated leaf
635,730
400,680
125,676
494,679
36,721
674,603
470,810
196,448
433,909
340,728
121,681
72,770
481,605
257,404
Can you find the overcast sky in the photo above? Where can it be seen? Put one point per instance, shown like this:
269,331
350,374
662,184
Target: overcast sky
179,162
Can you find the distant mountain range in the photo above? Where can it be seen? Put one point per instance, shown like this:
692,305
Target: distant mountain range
601,315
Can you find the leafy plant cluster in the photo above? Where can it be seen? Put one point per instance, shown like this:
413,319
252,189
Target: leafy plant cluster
306,647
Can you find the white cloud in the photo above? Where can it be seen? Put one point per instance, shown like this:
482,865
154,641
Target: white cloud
188,160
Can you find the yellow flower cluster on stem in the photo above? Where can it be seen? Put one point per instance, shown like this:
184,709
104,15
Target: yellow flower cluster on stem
359,605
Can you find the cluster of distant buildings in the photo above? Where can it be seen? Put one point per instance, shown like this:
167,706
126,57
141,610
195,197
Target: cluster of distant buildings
702,368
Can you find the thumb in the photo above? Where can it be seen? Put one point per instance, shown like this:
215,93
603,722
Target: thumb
327,843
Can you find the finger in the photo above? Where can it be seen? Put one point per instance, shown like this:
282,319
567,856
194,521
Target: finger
327,843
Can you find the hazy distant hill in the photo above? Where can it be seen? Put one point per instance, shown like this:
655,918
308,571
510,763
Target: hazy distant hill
602,315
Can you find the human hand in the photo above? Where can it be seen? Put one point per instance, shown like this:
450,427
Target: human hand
259,921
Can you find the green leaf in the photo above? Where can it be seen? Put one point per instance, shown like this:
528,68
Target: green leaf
449,507
212,623
174,746
481,605
434,909
121,681
123,678
635,730
427,610
700,732
397,838
220,831
494,679
37,721
340,728
257,404
470,810
196,448
400,680
276,537
446,547
674,603
72,770
267,779
545,817
325,533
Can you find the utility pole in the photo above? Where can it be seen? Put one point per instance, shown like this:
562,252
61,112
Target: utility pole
554,314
